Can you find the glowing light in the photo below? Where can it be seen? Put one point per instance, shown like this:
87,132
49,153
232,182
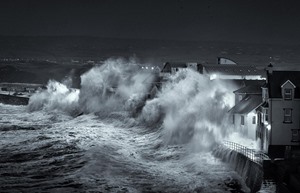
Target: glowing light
213,76
269,127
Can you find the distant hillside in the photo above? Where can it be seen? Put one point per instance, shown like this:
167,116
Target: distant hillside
12,74
67,48
40,72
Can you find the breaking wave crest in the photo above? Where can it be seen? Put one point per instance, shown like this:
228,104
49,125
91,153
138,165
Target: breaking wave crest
192,108
57,96
189,108
117,85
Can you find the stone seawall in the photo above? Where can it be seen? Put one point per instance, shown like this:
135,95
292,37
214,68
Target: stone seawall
13,100
251,172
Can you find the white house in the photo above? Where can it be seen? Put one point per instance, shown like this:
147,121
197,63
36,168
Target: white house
244,114
280,113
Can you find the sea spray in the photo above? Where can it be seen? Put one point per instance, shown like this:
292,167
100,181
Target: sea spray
189,108
193,110
117,85
57,96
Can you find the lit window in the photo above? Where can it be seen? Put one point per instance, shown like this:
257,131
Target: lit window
288,94
295,135
287,115
242,120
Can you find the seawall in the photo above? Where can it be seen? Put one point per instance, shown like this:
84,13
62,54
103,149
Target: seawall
13,100
251,172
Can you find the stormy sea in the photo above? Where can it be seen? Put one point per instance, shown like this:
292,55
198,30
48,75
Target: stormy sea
111,136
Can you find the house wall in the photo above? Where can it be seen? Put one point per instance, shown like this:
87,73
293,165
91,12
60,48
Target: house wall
251,128
281,133
237,124
248,129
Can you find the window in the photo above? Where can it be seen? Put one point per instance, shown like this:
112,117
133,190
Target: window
240,97
233,119
287,94
287,115
259,118
254,120
295,135
242,120
266,115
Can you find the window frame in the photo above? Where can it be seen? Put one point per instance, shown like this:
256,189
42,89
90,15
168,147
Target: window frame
254,120
266,117
296,135
242,120
288,95
287,117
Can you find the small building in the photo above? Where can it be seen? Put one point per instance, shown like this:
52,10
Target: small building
173,67
244,113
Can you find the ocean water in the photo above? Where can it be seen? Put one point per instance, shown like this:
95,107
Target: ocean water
108,137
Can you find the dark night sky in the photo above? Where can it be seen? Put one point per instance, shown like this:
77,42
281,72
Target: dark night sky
230,20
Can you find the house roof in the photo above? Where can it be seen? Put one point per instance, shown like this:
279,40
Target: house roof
233,70
288,82
277,78
250,89
247,105
168,65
